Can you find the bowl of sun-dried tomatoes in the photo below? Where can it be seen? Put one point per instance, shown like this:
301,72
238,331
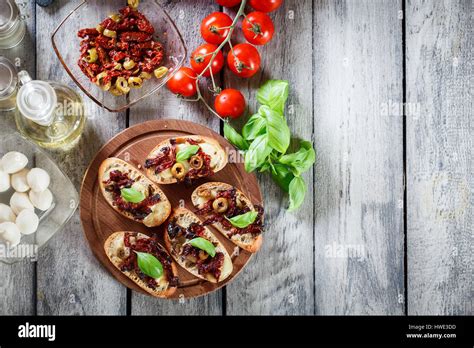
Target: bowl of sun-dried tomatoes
119,55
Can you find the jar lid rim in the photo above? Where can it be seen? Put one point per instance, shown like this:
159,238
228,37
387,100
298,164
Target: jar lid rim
8,77
9,14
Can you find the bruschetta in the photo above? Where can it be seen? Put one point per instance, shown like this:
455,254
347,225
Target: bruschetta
231,213
185,159
132,194
122,249
195,248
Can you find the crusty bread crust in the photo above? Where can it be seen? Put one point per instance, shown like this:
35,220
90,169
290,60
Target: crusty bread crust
160,211
184,215
247,242
220,153
111,252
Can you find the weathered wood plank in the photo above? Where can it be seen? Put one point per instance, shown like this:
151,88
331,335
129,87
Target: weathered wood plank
70,280
17,281
359,174
440,164
187,16
279,280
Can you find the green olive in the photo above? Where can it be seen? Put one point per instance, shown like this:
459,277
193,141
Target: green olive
220,205
178,171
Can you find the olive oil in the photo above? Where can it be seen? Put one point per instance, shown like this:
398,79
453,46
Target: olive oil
50,114
8,85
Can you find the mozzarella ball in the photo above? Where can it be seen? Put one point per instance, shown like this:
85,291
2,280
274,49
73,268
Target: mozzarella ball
38,179
19,201
41,200
10,233
19,183
6,213
13,162
4,181
27,222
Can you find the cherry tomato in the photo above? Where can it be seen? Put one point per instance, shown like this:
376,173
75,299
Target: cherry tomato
229,3
210,27
201,57
183,82
258,28
230,103
265,5
244,61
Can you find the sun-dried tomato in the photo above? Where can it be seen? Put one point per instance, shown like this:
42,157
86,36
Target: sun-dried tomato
133,40
150,246
116,182
233,209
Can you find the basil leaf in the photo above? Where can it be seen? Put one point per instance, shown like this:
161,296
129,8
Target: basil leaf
282,175
149,265
187,152
274,94
234,137
204,244
297,191
279,134
244,220
131,195
301,160
265,167
257,153
254,127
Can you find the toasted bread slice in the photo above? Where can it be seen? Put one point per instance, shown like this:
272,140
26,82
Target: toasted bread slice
208,145
184,217
207,192
159,211
117,252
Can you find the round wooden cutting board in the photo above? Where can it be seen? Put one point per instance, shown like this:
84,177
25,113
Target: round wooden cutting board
99,220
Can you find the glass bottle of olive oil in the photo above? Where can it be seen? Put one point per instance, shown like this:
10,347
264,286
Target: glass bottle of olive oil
12,27
8,85
49,113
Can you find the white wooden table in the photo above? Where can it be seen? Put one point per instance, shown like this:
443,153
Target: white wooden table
387,226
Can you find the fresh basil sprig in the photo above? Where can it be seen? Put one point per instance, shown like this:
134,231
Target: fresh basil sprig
244,220
235,138
204,244
274,94
255,126
257,153
266,139
186,153
149,265
301,160
131,195
278,133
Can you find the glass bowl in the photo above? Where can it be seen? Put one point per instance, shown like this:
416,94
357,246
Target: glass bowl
92,12
65,200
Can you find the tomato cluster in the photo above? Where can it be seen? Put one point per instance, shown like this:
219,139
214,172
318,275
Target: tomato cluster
243,59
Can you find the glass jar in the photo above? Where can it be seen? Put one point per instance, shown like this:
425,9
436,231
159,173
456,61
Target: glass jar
12,27
49,113
8,85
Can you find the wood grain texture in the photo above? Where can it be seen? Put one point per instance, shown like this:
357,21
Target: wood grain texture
359,174
17,281
345,64
133,145
187,16
440,181
280,279
69,279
